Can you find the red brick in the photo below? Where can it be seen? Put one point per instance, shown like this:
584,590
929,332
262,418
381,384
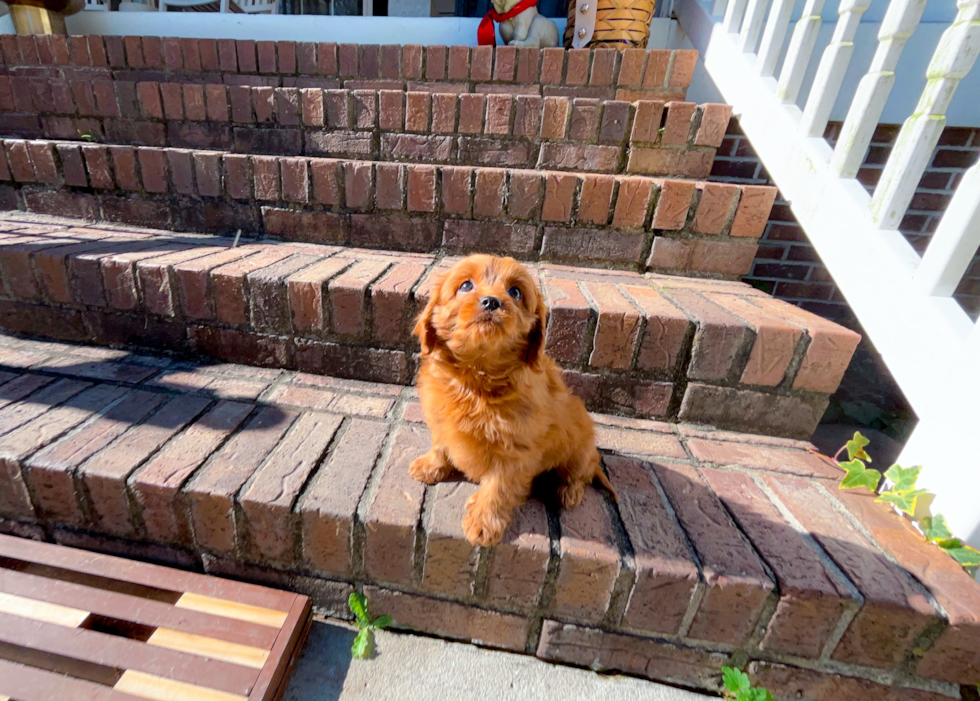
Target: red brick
590,563
596,649
411,61
348,297
228,284
471,109
481,63
228,55
595,199
365,109
812,598
559,197
737,584
714,124
519,562
390,186
326,54
416,147
210,494
40,431
326,182
718,339
421,188
19,159
554,124
578,67
581,245
435,62
633,202
489,192
444,113
764,457
673,204
267,502
666,575
295,180
894,612
306,293
677,127
358,178
527,115
194,105
955,656
828,353
329,505
527,65
459,63
450,563
49,471
498,114
631,68
449,620
665,330
753,210
104,475
391,303
715,207
617,329
418,106
568,323
269,300
391,110
579,157
463,236
46,171
394,232
552,66
456,184
391,516
288,106
646,123
525,194
682,70
796,683
312,107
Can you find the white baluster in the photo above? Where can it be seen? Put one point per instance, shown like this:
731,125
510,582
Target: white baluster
869,101
955,243
952,60
799,52
733,15
752,26
718,8
774,36
833,66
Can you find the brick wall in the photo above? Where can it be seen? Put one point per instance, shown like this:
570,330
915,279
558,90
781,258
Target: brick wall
787,266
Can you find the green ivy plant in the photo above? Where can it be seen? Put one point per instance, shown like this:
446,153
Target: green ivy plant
738,688
364,642
903,495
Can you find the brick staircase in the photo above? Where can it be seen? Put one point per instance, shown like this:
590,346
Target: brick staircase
284,207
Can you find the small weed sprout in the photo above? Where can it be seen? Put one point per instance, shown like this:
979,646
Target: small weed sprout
738,688
364,642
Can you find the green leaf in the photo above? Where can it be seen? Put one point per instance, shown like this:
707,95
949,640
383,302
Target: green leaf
855,447
381,621
753,695
362,644
905,501
903,477
734,679
965,555
935,528
859,476
358,606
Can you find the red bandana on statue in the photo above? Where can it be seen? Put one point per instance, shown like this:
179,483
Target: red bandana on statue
485,35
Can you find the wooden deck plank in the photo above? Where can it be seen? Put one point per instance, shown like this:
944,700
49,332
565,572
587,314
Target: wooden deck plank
145,574
135,608
271,680
233,609
149,686
41,611
212,648
125,654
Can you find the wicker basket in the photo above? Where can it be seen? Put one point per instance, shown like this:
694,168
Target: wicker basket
619,24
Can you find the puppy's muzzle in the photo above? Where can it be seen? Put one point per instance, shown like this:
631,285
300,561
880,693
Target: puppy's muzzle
490,304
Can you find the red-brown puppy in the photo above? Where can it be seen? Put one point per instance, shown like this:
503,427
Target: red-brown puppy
497,406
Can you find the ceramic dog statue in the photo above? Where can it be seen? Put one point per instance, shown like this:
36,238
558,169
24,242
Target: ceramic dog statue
520,25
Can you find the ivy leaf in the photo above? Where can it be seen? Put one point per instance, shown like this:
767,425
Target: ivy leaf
903,477
934,528
361,644
904,501
381,621
358,606
965,555
855,447
734,680
859,476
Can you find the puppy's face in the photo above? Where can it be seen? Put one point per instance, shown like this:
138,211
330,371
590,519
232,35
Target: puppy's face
485,308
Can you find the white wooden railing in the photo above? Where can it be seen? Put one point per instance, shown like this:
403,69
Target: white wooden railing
763,64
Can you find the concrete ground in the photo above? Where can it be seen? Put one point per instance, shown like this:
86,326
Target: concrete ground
427,669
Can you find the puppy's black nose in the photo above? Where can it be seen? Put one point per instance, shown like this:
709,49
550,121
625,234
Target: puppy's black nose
490,303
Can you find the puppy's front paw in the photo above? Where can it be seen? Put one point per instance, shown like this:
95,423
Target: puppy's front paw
429,469
483,527
571,494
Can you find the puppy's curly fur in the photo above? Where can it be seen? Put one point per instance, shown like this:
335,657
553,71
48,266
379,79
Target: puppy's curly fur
497,406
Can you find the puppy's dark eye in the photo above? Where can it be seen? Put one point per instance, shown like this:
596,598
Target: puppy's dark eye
515,292
467,286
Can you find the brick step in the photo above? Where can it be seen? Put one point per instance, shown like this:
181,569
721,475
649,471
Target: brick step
715,352
633,74
724,548
678,139
631,222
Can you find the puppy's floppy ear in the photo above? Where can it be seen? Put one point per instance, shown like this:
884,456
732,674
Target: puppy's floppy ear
424,329
535,337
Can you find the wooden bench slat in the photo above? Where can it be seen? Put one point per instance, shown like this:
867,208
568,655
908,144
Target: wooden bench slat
149,686
125,654
232,609
25,683
41,611
135,609
203,646
144,574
